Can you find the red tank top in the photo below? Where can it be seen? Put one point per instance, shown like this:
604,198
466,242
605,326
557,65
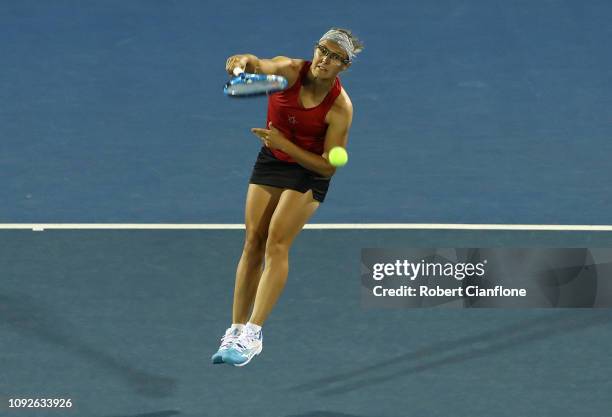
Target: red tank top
304,127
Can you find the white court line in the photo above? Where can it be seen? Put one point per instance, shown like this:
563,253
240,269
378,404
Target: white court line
316,226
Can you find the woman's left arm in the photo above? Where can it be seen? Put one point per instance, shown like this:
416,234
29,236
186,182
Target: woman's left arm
339,120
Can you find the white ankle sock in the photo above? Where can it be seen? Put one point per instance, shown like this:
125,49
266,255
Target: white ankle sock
238,326
253,327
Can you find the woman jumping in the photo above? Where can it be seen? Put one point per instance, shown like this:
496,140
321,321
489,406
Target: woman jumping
289,180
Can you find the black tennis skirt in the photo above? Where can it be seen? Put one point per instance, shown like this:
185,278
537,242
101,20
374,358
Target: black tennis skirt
269,170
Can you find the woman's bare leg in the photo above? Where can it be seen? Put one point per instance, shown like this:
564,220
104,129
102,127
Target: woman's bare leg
291,214
261,202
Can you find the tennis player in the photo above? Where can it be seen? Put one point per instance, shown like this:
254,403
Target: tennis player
289,180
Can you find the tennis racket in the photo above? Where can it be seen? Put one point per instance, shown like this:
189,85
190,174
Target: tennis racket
249,85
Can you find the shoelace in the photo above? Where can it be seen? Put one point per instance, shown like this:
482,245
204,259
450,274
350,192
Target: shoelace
228,339
247,339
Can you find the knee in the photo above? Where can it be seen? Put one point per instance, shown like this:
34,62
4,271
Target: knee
276,246
254,244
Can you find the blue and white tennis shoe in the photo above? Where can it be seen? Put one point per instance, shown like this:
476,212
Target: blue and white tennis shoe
248,345
227,341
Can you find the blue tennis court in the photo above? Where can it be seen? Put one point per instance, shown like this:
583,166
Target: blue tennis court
479,112
124,322
470,112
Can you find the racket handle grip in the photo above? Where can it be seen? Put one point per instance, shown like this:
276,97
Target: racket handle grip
237,71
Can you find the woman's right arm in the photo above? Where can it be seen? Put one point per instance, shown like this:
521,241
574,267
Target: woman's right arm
280,65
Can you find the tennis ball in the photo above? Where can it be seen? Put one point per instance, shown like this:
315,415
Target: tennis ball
337,156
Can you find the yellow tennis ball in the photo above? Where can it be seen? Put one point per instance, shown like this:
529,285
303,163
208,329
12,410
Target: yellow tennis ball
337,156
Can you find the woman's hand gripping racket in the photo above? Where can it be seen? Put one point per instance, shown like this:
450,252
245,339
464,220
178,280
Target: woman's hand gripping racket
249,85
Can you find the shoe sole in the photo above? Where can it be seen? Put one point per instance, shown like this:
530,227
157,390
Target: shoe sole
249,360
